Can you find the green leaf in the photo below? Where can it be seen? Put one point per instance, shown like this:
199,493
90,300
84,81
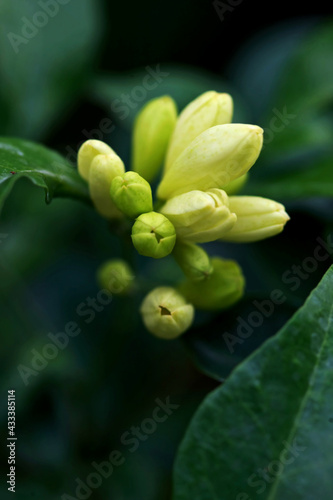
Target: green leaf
43,167
274,413
46,53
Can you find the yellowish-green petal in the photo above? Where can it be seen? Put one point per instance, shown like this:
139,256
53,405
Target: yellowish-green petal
215,158
257,218
206,111
103,169
193,260
132,194
87,152
152,131
166,313
220,290
153,235
200,217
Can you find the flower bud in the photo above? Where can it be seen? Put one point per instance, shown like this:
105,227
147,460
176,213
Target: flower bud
220,290
132,194
103,169
87,152
200,217
234,186
166,313
152,130
215,158
116,276
208,110
153,235
257,218
193,260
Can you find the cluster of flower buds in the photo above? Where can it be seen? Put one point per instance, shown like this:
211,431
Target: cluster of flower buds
205,161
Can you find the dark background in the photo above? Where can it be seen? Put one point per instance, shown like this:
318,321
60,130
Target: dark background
191,32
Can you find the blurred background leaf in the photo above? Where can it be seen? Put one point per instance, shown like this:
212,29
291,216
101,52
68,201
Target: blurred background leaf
182,83
297,158
43,75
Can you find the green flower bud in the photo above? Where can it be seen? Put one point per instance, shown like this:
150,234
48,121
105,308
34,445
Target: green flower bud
206,111
220,290
215,158
152,130
132,194
87,152
166,313
200,217
116,276
236,185
193,260
257,218
153,235
103,169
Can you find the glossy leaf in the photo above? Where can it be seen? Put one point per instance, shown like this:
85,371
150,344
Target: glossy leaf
43,167
268,430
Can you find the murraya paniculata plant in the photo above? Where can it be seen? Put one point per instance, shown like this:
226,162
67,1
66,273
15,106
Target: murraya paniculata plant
202,161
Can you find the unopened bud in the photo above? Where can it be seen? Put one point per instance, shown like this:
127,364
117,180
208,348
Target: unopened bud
215,158
257,218
132,194
200,217
116,276
220,290
208,110
193,260
166,313
152,130
103,169
87,152
153,235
